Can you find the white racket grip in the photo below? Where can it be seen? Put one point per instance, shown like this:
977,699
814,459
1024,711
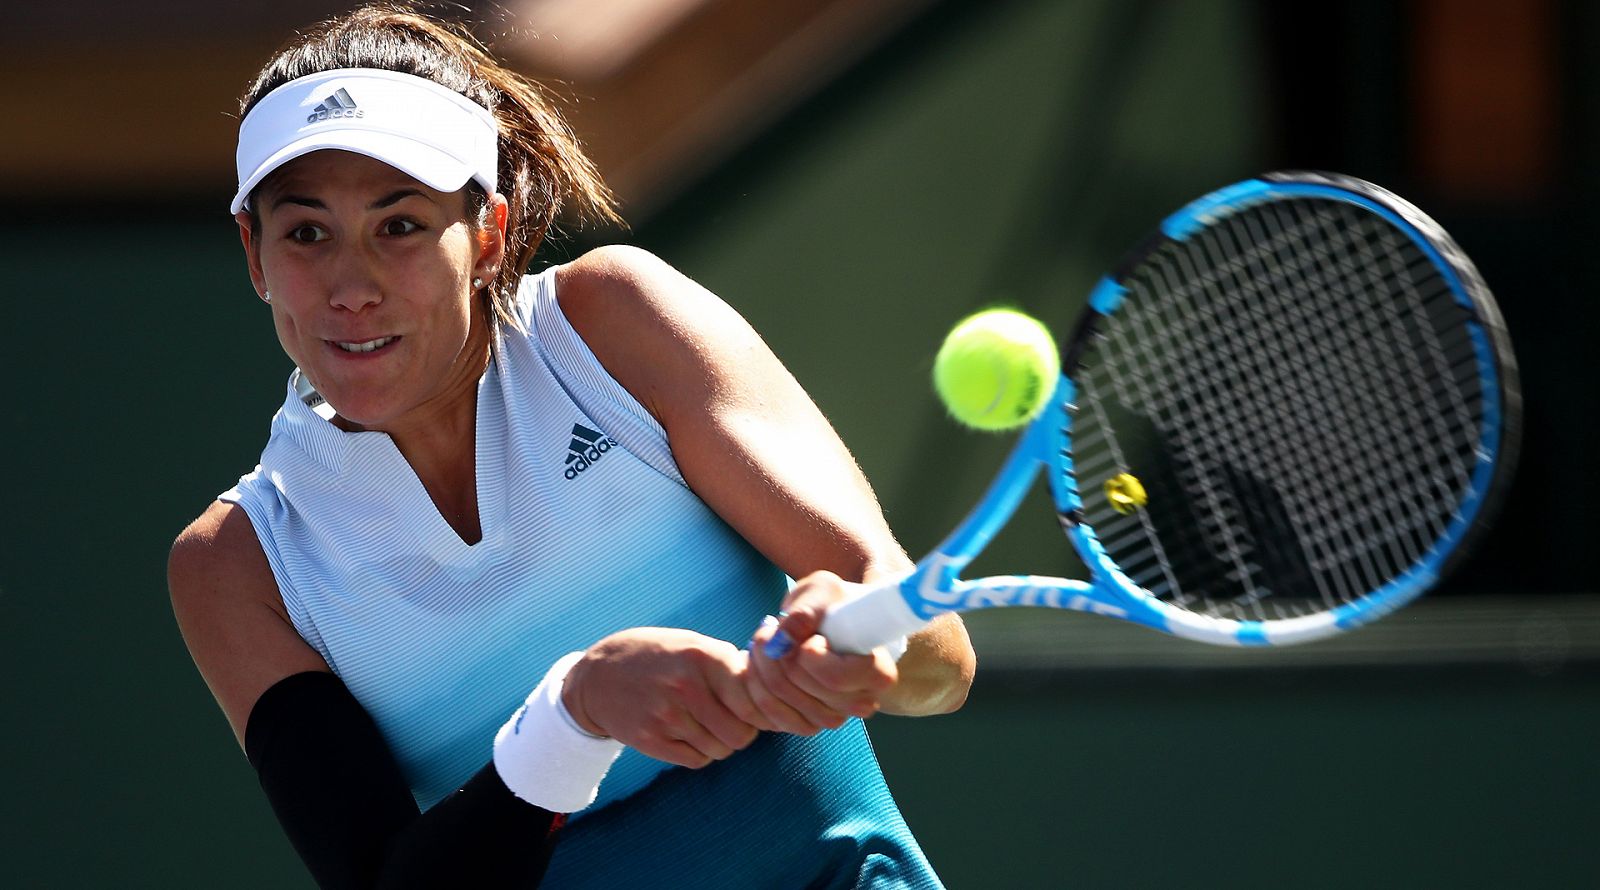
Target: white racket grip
879,617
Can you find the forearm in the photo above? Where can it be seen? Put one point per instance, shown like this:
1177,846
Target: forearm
751,443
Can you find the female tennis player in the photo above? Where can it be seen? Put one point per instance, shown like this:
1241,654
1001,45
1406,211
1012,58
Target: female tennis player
506,525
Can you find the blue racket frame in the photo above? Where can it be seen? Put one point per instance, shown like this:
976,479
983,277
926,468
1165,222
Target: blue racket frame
935,586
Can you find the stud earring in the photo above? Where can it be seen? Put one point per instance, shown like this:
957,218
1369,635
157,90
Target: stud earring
266,296
477,283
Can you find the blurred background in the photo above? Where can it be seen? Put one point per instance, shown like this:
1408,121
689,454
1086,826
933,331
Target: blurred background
854,176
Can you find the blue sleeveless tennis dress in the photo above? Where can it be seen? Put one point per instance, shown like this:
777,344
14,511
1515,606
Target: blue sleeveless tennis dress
588,528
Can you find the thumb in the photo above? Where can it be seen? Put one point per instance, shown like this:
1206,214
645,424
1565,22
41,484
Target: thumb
793,629
804,607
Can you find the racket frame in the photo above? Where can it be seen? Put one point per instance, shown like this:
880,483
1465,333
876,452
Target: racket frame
935,587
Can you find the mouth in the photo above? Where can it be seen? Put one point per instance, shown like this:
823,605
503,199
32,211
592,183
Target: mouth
364,346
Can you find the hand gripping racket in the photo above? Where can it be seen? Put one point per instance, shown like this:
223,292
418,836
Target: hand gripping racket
1284,415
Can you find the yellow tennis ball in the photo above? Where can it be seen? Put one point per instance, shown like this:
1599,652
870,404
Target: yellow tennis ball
996,369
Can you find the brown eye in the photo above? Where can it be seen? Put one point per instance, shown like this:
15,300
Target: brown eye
307,234
399,227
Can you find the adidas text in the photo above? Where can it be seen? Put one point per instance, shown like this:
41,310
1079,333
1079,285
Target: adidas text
586,449
322,114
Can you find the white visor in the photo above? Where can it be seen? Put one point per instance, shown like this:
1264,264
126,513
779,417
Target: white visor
434,134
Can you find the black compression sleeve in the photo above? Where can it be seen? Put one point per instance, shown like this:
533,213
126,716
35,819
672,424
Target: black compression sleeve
340,798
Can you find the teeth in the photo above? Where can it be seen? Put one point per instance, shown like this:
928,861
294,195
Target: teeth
368,346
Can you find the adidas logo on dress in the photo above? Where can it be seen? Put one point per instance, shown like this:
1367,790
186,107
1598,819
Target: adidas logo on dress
337,105
586,449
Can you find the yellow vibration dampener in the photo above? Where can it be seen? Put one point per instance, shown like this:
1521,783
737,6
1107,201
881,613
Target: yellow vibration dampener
1125,493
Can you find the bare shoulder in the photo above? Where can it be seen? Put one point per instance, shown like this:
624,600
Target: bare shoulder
230,612
219,538
620,283
217,564
612,265
666,339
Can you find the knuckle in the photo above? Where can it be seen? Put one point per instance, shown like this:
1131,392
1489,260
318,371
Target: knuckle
832,678
770,669
760,666
790,679
651,744
793,702
702,656
760,695
678,685
662,718
744,711
778,688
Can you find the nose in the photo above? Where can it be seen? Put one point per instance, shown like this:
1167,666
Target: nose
356,283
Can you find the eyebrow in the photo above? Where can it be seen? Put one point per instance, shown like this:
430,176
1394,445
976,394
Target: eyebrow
396,197
388,200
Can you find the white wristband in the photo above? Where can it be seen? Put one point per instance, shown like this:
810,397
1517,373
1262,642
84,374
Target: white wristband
544,757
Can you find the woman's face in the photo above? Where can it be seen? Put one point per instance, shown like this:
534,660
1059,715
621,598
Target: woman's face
370,273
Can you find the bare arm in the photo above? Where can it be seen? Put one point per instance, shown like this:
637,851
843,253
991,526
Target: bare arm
753,445
232,618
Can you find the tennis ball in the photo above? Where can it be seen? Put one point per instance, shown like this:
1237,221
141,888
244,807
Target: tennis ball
996,369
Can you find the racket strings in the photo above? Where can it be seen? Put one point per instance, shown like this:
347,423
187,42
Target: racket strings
1105,458
1261,352
1218,497
1203,528
1252,356
1414,382
1292,387
1373,335
1427,381
1389,454
1359,507
1399,434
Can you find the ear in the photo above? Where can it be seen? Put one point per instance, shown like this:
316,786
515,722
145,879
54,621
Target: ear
252,252
492,240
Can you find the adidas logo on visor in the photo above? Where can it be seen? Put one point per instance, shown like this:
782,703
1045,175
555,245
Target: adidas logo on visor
337,105
586,448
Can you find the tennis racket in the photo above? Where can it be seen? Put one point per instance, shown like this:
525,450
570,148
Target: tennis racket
1285,414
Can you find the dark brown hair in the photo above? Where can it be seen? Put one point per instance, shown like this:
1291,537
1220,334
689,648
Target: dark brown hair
543,170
